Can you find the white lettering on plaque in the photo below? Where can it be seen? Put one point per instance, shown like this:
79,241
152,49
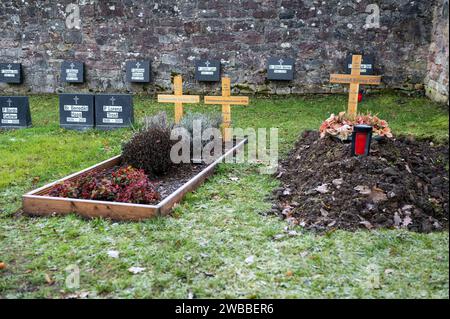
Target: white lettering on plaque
112,115
79,108
10,116
112,108
113,121
10,122
75,120
9,110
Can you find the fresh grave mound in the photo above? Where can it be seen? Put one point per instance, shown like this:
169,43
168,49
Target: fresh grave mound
402,184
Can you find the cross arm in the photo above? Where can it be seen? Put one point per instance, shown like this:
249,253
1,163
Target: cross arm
355,79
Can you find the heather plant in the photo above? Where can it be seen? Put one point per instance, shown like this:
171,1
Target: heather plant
123,184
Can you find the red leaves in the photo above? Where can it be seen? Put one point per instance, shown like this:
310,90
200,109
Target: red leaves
124,184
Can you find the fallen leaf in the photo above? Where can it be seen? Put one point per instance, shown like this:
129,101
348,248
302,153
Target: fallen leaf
324,212
406,221
364,190
303,254
332,224
397,219
367,224
113,253
49,280
389,271
250,259
136,270
377,195
338,182
322,188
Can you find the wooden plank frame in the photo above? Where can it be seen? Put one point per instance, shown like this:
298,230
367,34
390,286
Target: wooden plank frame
38,203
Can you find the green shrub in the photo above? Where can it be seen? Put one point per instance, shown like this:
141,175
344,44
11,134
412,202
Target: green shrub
159,120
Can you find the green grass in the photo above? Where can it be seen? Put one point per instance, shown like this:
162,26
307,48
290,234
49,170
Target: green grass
202,249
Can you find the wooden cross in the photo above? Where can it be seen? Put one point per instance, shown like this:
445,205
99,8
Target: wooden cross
226,100
355,80
178,98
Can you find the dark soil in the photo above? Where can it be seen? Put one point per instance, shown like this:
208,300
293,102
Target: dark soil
404,183
177,177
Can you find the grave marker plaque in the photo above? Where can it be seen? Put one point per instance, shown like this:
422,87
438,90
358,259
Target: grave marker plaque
207,70
76,111
113,111
72,72
366,65
11,73
138,71
280,69
14,112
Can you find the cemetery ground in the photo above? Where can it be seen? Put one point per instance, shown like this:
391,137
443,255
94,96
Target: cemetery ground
219,242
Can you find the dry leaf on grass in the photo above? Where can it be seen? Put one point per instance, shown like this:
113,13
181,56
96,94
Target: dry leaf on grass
136,270
49,280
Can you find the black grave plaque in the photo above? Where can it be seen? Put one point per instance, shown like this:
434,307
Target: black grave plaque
207,70
14,112
72,72
76,111
138,71
280,69
367,65
11,73
113,111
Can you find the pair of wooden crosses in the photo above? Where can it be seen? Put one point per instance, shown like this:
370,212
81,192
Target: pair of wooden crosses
355,79
226,100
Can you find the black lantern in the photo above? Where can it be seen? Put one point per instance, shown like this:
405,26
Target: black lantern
361,140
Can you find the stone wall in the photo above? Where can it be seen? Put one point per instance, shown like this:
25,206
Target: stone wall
437,79
240,33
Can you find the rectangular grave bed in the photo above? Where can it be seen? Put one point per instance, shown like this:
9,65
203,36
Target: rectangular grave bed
39,203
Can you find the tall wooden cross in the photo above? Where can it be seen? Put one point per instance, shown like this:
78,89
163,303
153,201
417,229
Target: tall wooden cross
226,100
178,98
355,80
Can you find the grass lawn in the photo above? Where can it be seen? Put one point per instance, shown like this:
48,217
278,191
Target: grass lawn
217,244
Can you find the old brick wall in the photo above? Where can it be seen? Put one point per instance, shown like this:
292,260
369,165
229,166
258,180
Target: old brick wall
437,79
240,33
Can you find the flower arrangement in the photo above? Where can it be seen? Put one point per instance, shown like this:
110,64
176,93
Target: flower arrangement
341,126
120,184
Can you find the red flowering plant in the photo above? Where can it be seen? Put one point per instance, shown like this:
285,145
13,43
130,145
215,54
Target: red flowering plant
123,184
341,126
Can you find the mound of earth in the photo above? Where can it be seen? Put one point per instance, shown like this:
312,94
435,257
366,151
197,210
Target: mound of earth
404,183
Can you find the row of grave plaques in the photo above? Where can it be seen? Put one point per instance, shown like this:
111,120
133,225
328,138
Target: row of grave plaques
278,69
102,111
77,111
